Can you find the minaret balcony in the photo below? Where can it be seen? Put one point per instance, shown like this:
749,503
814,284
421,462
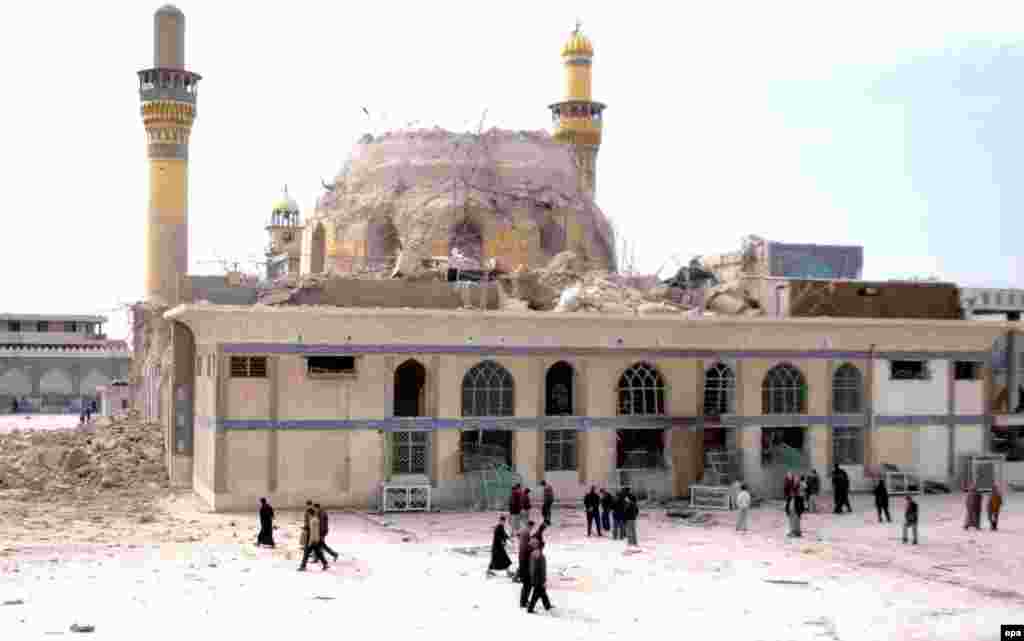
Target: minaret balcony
168,84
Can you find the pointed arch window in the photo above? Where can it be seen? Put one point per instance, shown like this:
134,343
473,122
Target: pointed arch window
784,391
847,390
641,391
719,390
488,390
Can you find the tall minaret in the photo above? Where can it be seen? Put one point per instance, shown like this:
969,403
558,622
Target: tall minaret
168,95
577,119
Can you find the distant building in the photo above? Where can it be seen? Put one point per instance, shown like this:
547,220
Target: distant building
56,363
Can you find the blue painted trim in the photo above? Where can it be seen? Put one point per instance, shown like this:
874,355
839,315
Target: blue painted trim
581,423
519,350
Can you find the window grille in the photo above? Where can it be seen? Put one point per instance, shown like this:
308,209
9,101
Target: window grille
488,390
784,391
641,391
560,450
719,390
847,390
248,367
847,445
909,371
409,452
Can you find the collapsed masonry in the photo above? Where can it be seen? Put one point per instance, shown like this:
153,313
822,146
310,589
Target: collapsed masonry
68,464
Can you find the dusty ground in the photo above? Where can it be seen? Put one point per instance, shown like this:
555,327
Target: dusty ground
152,562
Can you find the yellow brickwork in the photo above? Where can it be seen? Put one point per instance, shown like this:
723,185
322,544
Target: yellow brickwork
168,189
577,82
895,445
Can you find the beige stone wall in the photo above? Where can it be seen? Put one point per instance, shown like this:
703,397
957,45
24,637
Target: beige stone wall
346,467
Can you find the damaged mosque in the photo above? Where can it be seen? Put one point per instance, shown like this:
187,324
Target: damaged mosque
451,308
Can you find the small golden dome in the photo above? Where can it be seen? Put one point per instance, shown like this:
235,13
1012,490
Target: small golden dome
286,204
578,45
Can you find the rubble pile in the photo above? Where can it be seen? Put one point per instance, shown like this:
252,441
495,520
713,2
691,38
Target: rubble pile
119,453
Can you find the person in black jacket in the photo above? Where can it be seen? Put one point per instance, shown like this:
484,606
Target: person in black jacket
324,529
841,490
910,519
499,557
618,516
882,501
592,504
607,503
630,512
813,490
539,577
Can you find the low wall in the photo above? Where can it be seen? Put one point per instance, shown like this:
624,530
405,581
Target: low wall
396,293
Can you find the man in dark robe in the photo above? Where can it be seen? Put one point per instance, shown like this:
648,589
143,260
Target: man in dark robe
607,503
592,504
882,501
324,529
841,490
538,577
499,557
266,535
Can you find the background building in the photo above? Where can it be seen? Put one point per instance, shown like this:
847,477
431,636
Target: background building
55,363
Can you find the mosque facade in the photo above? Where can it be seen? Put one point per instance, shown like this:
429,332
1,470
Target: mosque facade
337,404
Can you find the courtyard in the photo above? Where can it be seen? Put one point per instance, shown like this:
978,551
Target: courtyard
154,562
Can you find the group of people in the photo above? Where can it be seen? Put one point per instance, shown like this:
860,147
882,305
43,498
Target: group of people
532,572
315,527
973,505
519,505
801,496
617,513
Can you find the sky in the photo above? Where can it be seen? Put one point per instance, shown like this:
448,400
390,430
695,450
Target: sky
888,125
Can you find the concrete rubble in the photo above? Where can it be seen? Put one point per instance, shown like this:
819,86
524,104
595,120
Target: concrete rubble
106,454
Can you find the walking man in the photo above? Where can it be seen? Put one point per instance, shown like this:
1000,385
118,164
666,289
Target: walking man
630,514
514,508
324,528
910,519
499,557
592,503
314,545
524,555
743,503
882,501
549,500
539,577
266,535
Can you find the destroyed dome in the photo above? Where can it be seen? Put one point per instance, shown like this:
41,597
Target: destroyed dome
426,182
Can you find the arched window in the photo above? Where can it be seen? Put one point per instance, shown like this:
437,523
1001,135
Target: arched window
784,391
847,390
641,391
487,390
719,390
558,390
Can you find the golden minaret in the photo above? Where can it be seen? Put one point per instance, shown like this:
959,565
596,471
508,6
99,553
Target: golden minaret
168,95
577,119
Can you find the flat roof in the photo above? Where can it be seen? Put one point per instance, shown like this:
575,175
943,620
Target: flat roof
558,317
75,318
